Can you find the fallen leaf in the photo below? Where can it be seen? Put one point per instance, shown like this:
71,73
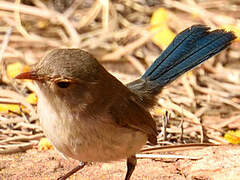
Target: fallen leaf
32,98
163,36
44,144
233,28
160,111
16,68
9,107
160,16
233,137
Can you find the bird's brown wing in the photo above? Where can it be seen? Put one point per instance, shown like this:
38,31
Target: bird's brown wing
128,113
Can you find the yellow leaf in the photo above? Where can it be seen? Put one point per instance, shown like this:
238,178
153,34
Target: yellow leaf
163,36
160,16
233,28
26,69
9,107
233,137
32,98
16,68
159,111
44,144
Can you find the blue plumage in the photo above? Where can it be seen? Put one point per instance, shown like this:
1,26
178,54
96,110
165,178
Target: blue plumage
180,46
189,49
202,50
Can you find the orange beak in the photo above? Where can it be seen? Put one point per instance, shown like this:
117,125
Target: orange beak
28,75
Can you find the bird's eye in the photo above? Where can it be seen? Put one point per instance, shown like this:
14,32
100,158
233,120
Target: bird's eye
63,84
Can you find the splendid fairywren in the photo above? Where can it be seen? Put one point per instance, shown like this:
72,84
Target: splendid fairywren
90,116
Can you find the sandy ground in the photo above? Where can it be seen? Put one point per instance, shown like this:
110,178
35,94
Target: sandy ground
216,163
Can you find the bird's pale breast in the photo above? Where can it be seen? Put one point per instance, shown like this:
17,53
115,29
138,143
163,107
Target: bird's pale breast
86,139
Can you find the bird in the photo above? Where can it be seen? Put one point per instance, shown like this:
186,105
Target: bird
90,116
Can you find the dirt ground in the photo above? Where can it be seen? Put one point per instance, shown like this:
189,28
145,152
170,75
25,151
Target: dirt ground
122,36
215,163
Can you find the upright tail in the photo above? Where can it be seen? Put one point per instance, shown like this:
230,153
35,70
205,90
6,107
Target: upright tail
190,48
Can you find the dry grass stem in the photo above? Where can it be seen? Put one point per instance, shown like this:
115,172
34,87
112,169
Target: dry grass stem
204,104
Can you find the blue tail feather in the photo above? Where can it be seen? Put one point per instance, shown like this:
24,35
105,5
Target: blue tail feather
204,48
180,46
190,48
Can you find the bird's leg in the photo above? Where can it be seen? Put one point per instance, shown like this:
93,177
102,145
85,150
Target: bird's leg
131,163
74,170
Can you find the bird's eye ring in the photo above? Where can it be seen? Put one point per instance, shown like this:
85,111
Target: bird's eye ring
63,84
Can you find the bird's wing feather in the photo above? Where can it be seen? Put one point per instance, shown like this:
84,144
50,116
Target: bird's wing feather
128,113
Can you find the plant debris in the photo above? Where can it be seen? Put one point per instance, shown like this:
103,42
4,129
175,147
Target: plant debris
202,105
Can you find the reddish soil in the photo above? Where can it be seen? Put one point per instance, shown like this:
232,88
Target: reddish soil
222,162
